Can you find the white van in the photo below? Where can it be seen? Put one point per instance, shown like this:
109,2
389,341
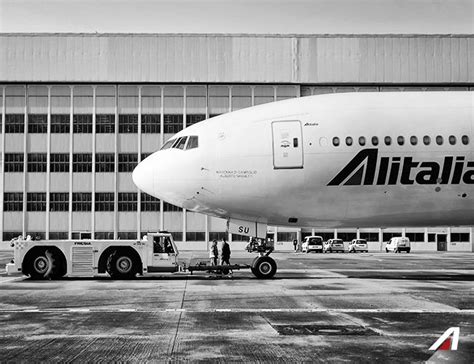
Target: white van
398,244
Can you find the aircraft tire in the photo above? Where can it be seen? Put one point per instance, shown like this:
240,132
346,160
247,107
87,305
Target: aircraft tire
264,267
120,265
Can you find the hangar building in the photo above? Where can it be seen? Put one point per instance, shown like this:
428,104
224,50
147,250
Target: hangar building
79,111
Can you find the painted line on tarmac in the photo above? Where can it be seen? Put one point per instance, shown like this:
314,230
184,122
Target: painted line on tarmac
11,279
238,310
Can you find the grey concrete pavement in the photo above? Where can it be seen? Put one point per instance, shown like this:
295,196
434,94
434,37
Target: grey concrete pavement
318,308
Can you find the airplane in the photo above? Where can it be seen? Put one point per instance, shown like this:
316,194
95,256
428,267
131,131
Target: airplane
349,160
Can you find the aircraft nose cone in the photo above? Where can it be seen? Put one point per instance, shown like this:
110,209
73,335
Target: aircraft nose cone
143,176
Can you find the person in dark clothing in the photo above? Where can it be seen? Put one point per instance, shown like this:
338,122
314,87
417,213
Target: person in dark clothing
225,253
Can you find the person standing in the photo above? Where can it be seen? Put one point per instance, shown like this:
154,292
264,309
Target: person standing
213,252
225,254
295,245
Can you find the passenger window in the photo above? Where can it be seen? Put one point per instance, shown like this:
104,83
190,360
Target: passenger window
439,140
192,143
181,143
452,139
335,141
348,141
375,141
465,139
362,141
426,140
168,144
400,140
388,140
413,140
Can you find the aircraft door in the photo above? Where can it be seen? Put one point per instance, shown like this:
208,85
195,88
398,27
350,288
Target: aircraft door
442,242
287,144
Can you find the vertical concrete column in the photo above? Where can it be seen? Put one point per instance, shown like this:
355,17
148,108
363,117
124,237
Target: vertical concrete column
275,97
313,231
48,167
404,232
2,180
252,94
230,98
184,127
139,158
94,111
116,122
275,235
357,233
335,233
71,150
162,139
25,160
206,217
425,237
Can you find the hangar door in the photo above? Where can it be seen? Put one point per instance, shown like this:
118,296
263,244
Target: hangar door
287,144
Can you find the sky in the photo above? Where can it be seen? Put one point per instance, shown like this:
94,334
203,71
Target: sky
238,16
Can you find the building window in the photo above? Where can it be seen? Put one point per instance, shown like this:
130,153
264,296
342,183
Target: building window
177,235
127,162
173,123
104,201
9,235
104,235
128,123
82,123
13,201
346,236
105,123
37,162
59,201
195,236
60,123
218,235
286,236
194,118
82,162
416,236
387,236
58,235
151,123
14,162
145,155
59,162
81,201
127,235
14,123
460,237
37,123
127,201
369,236
104,162
170,208
149,203
36,201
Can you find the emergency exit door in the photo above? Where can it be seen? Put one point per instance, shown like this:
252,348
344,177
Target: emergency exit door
287,144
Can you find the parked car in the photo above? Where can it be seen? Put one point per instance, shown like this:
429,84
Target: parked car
358,245
334,245
398,244
312,243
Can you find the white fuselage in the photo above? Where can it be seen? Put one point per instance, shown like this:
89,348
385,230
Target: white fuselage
277,163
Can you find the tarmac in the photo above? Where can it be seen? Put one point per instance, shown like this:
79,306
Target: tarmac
369,307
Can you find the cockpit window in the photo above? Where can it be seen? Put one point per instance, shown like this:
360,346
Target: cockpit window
192,143
168,144
181,143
